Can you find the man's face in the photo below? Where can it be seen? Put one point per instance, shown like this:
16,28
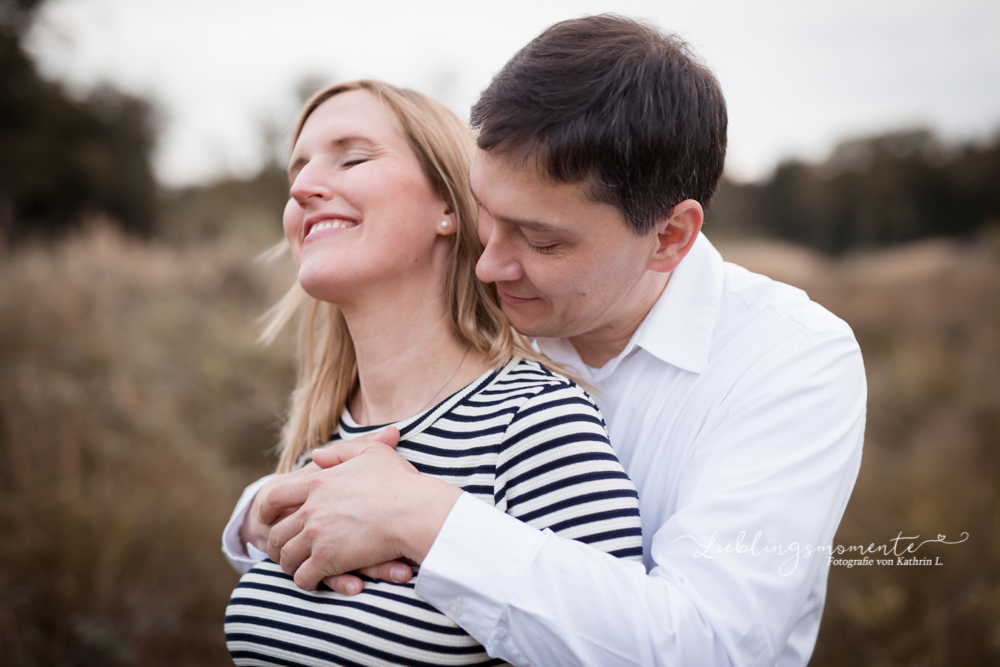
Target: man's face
564,265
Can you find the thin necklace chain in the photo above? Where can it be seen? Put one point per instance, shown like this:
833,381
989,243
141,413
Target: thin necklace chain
450,378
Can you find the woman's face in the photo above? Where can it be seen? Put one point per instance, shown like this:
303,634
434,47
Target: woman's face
361,213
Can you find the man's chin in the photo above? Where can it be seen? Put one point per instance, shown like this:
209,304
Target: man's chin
524,324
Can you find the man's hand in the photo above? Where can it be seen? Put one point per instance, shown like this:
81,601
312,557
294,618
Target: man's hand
253,530
256,532
367,507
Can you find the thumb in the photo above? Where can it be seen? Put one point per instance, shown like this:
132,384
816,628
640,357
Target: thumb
390,436
342,452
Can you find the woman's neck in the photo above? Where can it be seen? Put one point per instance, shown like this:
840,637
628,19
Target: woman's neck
407,355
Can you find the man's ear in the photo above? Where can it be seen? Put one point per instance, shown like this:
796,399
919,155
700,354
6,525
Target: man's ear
675,235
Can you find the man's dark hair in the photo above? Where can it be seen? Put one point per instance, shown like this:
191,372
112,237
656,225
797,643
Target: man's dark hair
616,104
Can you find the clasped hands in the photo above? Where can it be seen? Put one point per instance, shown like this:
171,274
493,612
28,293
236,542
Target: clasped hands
358,507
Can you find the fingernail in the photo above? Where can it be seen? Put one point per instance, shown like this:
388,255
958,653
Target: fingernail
398,573
353,588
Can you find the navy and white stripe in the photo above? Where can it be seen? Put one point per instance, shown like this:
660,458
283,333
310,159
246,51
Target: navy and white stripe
521,438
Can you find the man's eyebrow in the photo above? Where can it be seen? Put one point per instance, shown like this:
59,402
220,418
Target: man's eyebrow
534,225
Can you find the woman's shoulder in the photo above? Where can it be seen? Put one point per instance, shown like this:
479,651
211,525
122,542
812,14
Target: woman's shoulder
524,378
528,373
527,385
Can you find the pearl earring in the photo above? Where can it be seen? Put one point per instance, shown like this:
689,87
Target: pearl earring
445,225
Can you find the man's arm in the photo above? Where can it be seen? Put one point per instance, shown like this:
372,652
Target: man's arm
779,457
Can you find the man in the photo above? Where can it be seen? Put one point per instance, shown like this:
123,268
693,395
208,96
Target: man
735,404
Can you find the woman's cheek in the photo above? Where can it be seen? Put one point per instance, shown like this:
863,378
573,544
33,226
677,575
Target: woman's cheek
292,220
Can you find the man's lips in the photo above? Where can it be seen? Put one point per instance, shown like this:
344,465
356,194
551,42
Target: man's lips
511,299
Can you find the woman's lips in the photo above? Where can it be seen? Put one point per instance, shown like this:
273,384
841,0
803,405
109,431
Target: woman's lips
511,299
324,224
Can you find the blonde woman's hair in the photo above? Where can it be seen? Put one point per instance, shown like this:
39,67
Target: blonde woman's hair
328,368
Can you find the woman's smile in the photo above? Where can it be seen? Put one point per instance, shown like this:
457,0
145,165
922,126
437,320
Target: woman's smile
323,223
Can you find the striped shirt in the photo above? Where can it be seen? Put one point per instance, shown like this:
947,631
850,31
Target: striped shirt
520,438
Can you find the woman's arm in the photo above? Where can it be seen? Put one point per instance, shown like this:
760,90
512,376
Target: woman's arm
556,470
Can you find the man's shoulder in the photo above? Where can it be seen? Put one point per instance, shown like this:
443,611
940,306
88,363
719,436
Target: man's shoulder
765,326
766,306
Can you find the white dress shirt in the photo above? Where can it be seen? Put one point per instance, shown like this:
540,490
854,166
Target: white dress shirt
738,409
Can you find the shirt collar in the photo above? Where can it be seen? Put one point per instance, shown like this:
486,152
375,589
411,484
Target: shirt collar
678,329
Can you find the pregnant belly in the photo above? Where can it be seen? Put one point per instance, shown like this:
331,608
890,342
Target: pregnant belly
271,621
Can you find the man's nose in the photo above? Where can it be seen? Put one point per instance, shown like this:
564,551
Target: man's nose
498,263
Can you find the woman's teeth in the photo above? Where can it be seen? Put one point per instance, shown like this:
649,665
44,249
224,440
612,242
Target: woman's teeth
329,224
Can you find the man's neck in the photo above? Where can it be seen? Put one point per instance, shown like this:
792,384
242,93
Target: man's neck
599,346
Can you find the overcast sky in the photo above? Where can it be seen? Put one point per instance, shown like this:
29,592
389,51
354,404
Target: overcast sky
798,76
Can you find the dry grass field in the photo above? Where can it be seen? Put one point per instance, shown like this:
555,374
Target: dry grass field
927,316
134,406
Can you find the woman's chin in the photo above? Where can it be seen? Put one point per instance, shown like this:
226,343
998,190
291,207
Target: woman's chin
322,286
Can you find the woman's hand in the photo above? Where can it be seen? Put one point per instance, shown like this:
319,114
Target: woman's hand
395,571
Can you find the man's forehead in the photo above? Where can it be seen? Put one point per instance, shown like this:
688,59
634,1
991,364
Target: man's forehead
496,164
501,179
520,191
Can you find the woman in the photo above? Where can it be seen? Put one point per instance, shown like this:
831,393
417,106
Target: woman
397,331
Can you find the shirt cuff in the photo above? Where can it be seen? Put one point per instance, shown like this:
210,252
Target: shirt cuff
242,556
472,569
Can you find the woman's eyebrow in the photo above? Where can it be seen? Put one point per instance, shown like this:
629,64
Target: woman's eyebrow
353,139
340,143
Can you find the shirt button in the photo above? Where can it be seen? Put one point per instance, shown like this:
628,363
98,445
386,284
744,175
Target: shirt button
455,607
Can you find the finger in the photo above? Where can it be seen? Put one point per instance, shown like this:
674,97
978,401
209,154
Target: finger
294,553
393,570
342,452
345,584
288,494
310,573
280,534
259,533
307,469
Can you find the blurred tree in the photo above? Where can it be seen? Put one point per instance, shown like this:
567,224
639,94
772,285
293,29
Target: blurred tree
873,191
62,159
245,210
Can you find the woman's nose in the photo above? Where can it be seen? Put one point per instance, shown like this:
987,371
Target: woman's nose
311,181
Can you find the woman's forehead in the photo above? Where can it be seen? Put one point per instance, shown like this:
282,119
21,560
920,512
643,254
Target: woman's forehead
354,113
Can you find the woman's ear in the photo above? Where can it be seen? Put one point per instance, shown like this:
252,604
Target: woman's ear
675,235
